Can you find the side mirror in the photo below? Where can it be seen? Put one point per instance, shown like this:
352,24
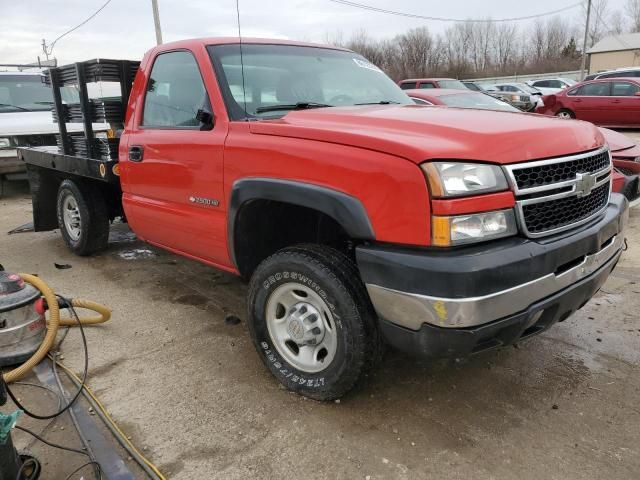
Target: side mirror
205,118
637,94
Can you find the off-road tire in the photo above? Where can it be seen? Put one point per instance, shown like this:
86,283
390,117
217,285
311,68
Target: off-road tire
94,218
335,278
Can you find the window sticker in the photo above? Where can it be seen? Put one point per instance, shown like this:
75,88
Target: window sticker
366,64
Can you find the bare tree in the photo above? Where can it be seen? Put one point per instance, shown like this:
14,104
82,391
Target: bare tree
467,49
632,10
617,23
505,45
598,21
417,53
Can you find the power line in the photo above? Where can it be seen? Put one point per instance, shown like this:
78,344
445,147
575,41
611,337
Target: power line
444,19
50,49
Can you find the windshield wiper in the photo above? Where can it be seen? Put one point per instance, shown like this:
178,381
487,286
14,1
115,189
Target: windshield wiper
291,106
381,102
14,106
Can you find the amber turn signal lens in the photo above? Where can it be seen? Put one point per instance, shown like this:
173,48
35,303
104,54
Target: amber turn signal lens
441,235
433,177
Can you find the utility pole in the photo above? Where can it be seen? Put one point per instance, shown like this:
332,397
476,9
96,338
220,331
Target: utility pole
44,48
156,20
583,62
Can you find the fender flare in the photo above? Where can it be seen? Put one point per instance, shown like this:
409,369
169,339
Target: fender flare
346,210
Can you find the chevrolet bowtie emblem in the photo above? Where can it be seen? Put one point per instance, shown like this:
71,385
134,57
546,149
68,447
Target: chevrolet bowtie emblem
584,183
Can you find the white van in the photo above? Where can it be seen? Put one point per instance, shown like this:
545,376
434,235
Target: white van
26,120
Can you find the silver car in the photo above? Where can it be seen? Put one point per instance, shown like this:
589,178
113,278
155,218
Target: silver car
520,95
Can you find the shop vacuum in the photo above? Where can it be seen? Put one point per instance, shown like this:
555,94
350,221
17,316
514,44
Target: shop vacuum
22,329
22,321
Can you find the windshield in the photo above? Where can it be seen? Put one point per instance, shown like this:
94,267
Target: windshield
24,93
527,88
454,84
287,75
476,100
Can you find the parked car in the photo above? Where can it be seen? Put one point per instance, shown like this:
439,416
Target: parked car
626,163
355,214
625,153
431,83
620,72
605,102
551,85
519,95
460,99
473,86
25,119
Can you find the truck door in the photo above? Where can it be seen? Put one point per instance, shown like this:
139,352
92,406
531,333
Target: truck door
173,166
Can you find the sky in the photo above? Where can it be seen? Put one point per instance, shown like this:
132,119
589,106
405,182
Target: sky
124,29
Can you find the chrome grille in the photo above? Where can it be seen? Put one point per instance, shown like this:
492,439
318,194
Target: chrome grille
547,173
544,216
561,193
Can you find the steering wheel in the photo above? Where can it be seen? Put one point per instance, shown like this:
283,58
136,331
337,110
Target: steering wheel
342,100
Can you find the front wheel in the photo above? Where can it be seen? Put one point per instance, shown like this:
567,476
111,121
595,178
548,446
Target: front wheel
565,113
312,322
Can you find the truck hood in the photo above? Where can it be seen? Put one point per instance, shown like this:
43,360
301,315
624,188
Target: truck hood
36,123
418,133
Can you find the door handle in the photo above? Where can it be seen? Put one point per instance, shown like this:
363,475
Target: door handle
577,100
615,101
135,153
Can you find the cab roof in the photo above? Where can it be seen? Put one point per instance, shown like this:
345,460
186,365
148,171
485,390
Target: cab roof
245,40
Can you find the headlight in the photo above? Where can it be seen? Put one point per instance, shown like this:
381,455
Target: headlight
5,143
476,227
450,179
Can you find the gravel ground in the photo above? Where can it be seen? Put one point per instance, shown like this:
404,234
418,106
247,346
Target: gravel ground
189,388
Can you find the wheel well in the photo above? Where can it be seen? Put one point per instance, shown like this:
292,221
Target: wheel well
263,227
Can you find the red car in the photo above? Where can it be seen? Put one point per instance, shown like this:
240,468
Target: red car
625,153
611,102
460,99
428,83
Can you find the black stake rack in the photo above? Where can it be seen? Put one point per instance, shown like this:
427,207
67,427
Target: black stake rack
89,111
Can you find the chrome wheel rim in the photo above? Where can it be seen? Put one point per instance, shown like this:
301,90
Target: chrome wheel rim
563,115
301,327
71,217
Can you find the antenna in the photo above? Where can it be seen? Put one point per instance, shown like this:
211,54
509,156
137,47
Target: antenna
244,93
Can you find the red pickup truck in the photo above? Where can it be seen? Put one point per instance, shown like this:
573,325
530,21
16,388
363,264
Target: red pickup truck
358,217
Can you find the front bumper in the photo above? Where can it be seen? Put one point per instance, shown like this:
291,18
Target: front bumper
442,295
10,163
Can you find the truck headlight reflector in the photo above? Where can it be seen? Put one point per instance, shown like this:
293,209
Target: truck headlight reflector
475,227
450,179
5,142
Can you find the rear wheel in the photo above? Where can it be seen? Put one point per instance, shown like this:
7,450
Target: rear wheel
312,322
565,113
82,218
